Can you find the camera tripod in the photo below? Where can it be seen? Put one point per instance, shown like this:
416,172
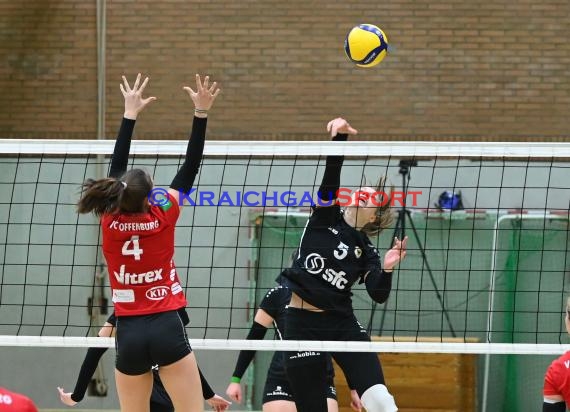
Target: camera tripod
400,232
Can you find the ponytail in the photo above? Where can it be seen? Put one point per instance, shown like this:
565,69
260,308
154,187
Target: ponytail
100,196
383,216
110,195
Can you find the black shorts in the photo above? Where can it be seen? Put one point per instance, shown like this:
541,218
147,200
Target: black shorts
159,407
279,390
362,369
147,340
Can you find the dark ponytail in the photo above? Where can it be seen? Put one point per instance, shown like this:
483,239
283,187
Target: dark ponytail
110,195
100,196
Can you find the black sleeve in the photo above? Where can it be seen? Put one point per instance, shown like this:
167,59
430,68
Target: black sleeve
184,179
372,258
325,216
378,285
554,407
120,158
378,282
86,372
257,332
207,391
331,178
275,300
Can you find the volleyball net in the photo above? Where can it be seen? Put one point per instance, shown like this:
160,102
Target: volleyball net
486,271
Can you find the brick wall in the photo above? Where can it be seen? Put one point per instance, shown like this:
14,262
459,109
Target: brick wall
478,70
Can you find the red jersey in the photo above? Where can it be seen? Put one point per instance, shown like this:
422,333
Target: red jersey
557,379
139,249
14,402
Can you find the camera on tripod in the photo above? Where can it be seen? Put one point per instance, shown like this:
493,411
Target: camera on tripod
405,165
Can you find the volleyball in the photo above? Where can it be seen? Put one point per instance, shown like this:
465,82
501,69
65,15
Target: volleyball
366,45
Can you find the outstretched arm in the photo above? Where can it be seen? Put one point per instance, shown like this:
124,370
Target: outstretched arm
134,104
339,130
217,403
203,99
378,280
207,391
87,370
261,323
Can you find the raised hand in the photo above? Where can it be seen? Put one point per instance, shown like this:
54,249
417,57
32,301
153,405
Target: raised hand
234,392
134,102
395,255
218,403
204,95
65,397
340,125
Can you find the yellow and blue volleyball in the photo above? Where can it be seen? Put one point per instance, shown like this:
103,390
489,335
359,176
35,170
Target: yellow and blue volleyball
366,45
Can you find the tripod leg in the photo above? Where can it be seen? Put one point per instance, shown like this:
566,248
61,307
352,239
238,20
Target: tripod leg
426,263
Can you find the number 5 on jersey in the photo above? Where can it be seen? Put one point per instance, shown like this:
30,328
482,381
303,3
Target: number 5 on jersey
135,251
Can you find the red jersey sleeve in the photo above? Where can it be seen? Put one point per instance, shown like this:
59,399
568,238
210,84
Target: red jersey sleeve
170,211
557,378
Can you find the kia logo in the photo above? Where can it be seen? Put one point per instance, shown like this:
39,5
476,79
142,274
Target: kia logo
157,293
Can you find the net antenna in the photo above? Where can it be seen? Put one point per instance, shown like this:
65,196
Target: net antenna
400,232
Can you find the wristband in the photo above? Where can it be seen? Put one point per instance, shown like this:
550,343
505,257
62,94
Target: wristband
200,111
235,379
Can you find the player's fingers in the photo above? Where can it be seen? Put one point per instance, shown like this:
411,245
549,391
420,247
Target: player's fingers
143,85
137,82
352,130
126,83
198,83
123,90
206,82
212,87
334,130
189,91
148,100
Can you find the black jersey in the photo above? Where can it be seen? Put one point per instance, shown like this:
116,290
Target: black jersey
332,256
275,303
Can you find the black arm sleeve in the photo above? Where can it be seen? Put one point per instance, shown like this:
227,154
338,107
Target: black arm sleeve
86,373
331,178
184,179
120,158
378,285
257,332
207,391
554,407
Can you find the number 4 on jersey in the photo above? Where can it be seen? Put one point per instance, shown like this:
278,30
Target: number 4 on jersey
135,251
